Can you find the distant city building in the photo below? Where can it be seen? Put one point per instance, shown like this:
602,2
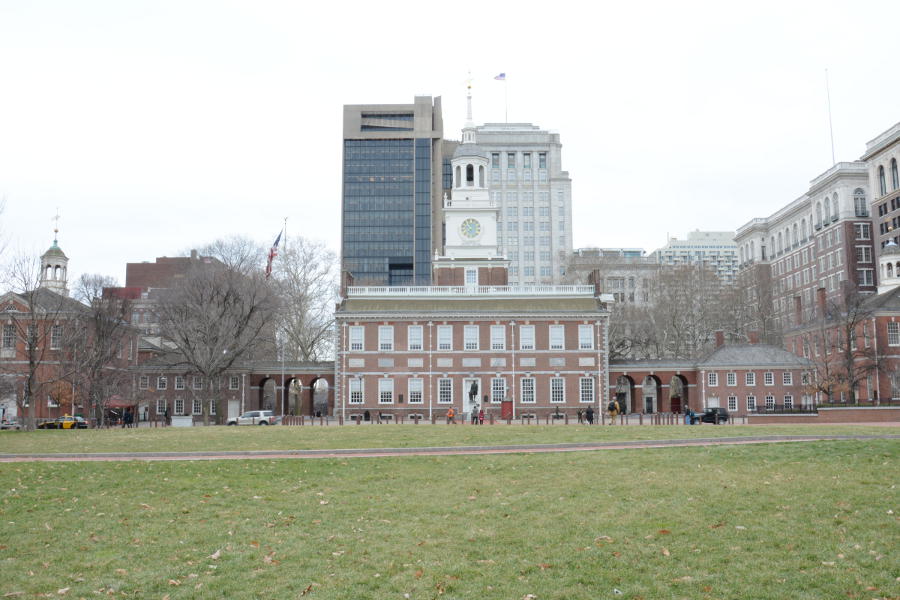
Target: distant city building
714,249
626,273
881,157
807,252
534,197
393,178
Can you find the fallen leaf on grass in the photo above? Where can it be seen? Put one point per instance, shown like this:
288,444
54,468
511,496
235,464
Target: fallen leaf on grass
146,507
13,594
255,544
307,590
121,571
544,566
419,573
62,591
270,558
717,525
174,582
665,552
215,555
663,532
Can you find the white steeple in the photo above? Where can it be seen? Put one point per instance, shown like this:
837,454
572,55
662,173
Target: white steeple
889,267
54,264
468,132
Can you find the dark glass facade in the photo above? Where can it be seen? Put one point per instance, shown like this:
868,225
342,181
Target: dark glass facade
387,211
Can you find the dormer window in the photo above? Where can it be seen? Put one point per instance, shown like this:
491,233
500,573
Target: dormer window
470,175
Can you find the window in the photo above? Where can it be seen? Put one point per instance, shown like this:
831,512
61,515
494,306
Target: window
731,379
416,386
414,337
179,406
865,276
357,337
528,226
498,389
212,407
893,334
144,382
445,391
445,337
510,160
385,391
750,378
881,183
770,402
863,231
526,337
160,406
9,336
542,160
386,337
859,203
527,387
162,382
528,271
528,211
179,382
787,378
470,337
526,160
512,211
544,211
55,337
586,389
356,395
196,407
712,379
732,403
498,337
557,390
751,403
197,382
557,337
585,337
234,382
788,402
495,160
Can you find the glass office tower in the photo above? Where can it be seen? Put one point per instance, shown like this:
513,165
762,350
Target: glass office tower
392,168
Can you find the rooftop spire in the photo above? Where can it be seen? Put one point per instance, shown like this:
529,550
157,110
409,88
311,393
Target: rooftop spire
468,136
56,227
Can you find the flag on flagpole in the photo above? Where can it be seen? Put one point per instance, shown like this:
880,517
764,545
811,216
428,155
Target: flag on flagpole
501,77
273,252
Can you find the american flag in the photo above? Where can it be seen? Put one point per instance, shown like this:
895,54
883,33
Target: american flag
501,77
273,252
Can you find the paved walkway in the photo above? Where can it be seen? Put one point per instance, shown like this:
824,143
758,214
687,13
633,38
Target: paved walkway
430,451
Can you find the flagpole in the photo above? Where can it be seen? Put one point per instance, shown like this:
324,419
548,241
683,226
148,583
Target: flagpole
505,101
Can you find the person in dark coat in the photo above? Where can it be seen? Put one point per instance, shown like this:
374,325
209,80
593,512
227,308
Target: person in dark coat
589,415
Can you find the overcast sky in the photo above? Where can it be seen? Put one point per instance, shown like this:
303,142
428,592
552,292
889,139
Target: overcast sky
157,126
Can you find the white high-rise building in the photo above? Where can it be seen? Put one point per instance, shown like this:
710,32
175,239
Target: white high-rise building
534,197
716,249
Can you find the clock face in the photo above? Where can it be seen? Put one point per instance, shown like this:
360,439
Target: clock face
470,228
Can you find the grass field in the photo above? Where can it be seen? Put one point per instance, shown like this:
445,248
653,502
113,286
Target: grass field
808,521
376,436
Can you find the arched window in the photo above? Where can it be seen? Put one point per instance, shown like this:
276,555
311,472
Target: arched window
742,254
752,251
890,270
470,175
895,180
772,246
881,183
780,243
796,239
859,203
803,232
818,213
458,178
481,176
827,209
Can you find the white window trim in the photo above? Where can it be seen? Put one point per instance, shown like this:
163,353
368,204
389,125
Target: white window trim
359,344
409,337
498,337
563,382
415,384
448,329
469,343
593,395
522,393
585,337
385,341
449,397
560,343
522,344
385,385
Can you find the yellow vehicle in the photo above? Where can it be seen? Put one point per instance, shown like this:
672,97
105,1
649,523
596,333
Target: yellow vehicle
64,422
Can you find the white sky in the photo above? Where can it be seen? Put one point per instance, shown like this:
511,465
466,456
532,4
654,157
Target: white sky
161,125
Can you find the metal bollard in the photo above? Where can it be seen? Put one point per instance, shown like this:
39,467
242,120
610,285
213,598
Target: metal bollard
492,418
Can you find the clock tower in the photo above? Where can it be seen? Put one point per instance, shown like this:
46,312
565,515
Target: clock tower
470,220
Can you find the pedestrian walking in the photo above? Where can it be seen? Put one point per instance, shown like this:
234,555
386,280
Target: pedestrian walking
481,417
475,415
614,410
589,415
451,416
580,417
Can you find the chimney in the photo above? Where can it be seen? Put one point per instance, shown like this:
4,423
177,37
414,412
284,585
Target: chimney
193,255
720,338
754,337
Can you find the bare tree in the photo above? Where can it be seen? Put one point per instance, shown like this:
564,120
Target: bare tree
236,252
102,343
840,361
216,316
307,281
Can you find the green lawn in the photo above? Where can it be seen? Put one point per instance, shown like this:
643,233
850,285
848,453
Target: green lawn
799,521
376,436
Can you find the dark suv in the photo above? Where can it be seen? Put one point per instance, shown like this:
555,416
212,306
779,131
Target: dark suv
714,415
